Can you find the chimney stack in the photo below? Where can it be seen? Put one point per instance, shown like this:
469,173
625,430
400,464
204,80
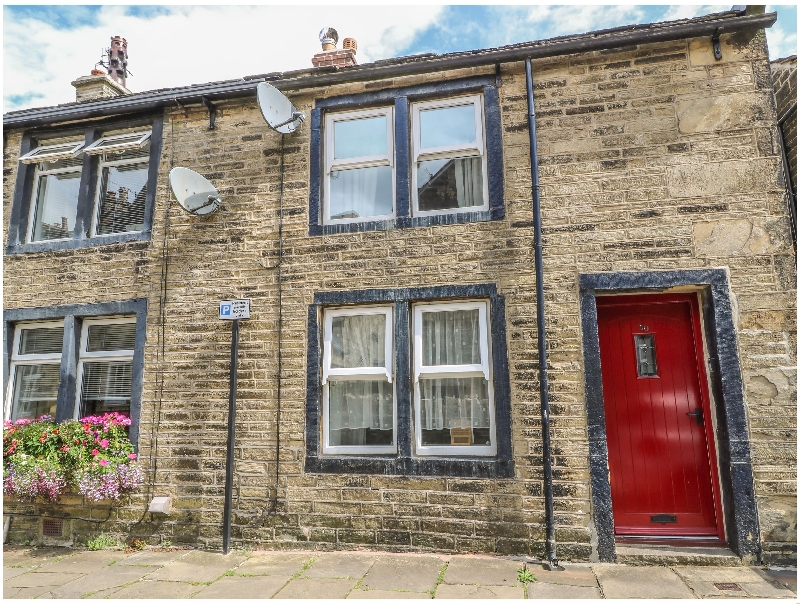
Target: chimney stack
330,56
101,84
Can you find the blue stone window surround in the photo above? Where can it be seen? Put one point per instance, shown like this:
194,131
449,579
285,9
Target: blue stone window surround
73,316
401,98
24,195
403,462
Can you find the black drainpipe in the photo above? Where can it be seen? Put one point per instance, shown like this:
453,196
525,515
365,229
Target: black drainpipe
550,544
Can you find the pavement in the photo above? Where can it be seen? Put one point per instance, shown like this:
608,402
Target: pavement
156,573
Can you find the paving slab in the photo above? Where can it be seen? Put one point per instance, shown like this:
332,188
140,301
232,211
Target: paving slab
156,590
640,582
42,579
10,572
83,562
250,588
482,571
107,578
706,589
391,572
274,563
766,590
31,557
557,591
580,576
741,574
378,594
317,589
479,592
152,558
10,592
27,593
198,566
339,566
784,576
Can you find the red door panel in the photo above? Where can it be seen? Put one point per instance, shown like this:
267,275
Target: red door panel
661,460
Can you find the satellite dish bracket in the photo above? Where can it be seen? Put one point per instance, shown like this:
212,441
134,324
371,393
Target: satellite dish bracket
296,115
212,112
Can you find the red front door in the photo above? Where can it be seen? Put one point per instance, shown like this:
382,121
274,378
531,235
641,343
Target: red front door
658,418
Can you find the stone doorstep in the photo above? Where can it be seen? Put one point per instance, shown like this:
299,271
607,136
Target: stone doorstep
675,555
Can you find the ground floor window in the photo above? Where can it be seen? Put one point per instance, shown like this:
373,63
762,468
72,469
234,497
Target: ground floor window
73,361
409,381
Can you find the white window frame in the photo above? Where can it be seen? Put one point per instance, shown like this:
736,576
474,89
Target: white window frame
357,373
52,153
38,174
106,162
484,370
369,161
102,356
119,142
28,359
476,149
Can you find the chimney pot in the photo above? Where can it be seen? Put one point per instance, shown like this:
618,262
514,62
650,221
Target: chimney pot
350,44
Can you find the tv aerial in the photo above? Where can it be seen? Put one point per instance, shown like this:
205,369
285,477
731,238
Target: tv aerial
194,193
277,110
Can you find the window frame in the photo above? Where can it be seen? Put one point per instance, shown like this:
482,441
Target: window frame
38,155
98,194
355,373
85,356
97,148
484,370
74,316
37,176
407,461
420,154
17,359
19,230
365,161
400,98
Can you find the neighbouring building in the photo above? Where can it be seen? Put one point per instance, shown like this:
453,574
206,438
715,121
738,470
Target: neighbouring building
388,385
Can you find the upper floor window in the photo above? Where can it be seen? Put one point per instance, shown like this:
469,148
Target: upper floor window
415,156
85,190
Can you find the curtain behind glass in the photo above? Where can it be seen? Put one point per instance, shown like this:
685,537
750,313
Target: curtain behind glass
454,403
123,194
106,386
359,405
448,184
358,341
451,338
35,391
361,192
41,340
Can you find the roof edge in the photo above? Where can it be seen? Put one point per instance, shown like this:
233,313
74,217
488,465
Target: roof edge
296,80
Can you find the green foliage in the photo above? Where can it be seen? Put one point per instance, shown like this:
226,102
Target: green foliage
524,576
166,543
102,541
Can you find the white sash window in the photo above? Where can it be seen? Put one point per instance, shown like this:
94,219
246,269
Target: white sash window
34,374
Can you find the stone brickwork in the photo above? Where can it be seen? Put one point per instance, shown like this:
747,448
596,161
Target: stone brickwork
651,157
784,77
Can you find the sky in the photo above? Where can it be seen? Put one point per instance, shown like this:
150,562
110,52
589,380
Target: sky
45,47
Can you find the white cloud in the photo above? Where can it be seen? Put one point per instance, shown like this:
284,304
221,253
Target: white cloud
562,20
193,44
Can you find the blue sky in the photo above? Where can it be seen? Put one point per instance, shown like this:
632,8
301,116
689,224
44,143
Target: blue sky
46,47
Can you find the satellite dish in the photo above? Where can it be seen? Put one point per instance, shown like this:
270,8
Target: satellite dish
194,193
279,112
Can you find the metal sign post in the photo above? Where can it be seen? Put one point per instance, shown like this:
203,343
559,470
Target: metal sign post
231,310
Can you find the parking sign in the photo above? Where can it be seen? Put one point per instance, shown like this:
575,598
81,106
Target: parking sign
234,309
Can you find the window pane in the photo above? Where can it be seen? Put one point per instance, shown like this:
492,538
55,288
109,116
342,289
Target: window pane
56,206
447,126
446,184
41,340
454,411
451,338
358,341
106,386
360,138
35,391
361,192
646,355
123,190
114,336
361,413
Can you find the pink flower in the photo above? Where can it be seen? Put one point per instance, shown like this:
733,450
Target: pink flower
95,451
103,462
104,443
131,455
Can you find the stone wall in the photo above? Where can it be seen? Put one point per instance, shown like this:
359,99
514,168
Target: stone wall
654,157
784,76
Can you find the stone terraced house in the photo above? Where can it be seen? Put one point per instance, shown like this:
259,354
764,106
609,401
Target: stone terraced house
390,393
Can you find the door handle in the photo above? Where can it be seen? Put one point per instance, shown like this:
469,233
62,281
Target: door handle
698,415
